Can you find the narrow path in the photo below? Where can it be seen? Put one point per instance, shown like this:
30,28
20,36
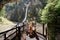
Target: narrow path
40,38
36,36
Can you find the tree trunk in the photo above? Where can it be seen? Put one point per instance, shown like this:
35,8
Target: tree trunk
43,29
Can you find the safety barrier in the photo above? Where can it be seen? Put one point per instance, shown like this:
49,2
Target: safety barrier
18,33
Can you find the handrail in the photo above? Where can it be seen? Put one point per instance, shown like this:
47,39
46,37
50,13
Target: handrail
18,30
17,26
7,31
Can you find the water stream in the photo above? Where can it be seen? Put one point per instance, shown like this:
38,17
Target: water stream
27,6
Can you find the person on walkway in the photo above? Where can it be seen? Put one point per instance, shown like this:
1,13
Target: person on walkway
23,35
30,27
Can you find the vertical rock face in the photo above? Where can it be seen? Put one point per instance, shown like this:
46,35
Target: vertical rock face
34,2
14,13
2,2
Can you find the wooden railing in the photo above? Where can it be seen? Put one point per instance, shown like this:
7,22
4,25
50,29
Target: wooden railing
18,32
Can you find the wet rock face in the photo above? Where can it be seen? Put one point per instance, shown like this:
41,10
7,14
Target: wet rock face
3,2
15,13
33,2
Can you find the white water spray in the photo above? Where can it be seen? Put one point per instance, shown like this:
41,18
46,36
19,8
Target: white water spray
27,6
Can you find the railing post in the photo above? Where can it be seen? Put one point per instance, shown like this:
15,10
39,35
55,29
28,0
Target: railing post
43,29
19,33
5,36
16,31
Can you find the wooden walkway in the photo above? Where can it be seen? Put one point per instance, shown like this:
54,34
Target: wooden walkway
22,35
35,36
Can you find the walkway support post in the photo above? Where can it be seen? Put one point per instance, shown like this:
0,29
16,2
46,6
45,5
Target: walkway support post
5,36
43,29
19,33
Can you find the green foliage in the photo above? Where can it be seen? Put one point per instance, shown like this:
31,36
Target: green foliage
5,21
51,32
49,1
43,15
49,14
50,11
2,11
33,13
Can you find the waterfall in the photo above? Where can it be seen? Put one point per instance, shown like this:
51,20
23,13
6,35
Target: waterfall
27,6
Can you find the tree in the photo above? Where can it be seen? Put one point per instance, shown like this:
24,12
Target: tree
49,15
2,11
